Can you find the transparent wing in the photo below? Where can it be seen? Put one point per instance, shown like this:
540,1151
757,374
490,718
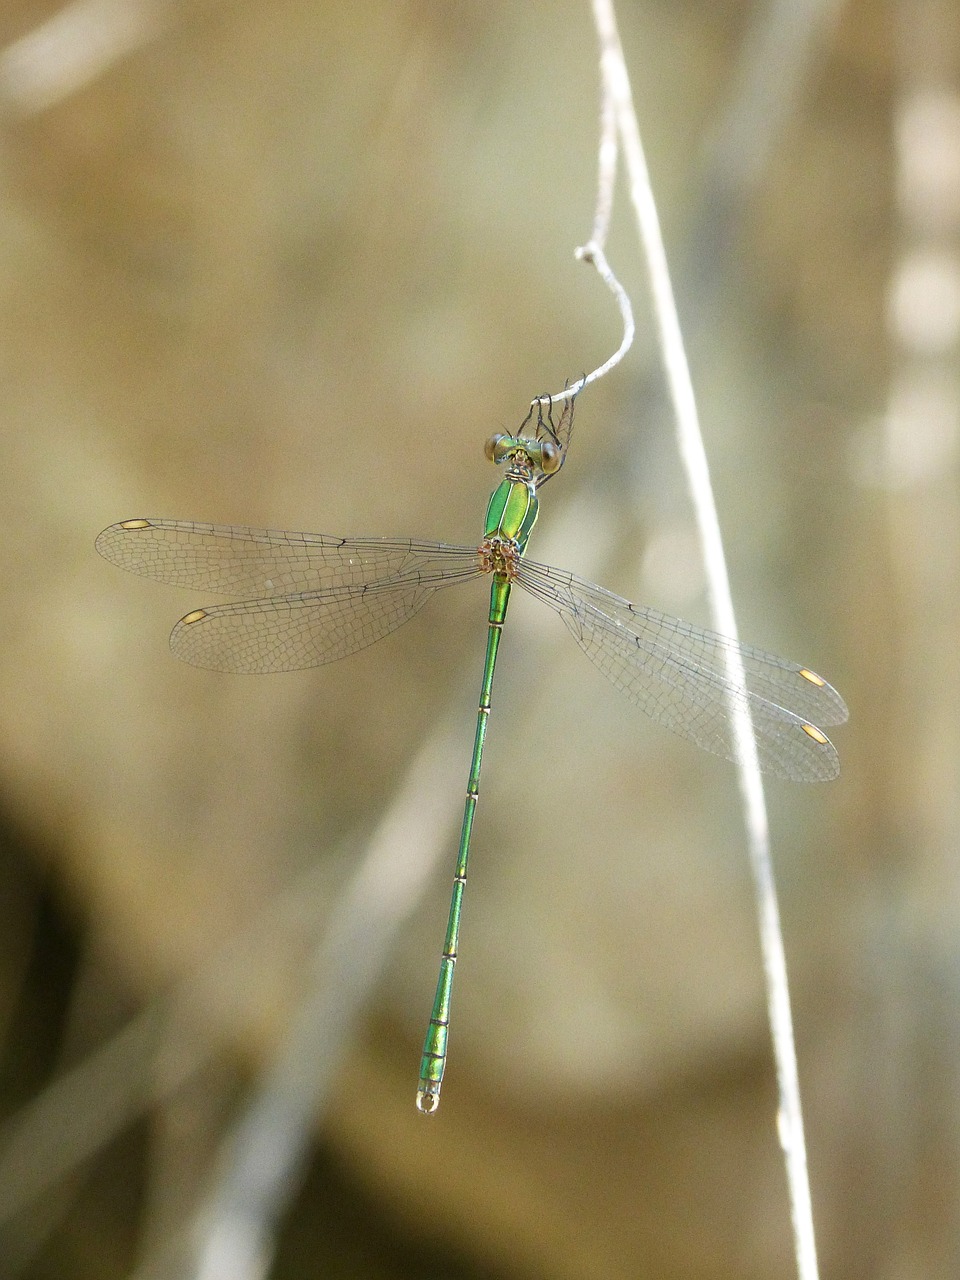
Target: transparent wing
233,560
675,672
289,632
318,599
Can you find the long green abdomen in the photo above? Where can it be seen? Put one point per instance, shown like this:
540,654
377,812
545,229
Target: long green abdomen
510,517
435,1045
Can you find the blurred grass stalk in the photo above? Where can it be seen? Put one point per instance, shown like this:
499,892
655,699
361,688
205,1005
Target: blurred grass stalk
74,47
264,1155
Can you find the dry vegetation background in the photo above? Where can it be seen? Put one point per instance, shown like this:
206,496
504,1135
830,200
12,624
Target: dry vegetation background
289,264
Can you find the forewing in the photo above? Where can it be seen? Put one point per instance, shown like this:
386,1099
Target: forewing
233,560
676,673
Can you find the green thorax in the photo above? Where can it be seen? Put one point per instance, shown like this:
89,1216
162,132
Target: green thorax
512,511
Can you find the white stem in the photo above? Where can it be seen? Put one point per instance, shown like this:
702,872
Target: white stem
693,456
593,251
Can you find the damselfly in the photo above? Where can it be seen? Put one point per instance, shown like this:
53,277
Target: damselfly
308,599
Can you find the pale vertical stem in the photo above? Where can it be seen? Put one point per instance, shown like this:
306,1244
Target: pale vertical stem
607,155
593,251
693,455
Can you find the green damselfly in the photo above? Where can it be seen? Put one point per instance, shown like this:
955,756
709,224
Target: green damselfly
308,599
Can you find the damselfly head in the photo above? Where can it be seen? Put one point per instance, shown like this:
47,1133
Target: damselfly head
520,451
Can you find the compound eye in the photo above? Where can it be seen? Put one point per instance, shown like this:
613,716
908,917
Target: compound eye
550,458
490,448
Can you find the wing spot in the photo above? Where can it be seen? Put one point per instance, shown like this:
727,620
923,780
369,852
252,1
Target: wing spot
813,732
813,678
202,613
135,524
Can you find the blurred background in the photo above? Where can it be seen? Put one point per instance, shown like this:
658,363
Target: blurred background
289,265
